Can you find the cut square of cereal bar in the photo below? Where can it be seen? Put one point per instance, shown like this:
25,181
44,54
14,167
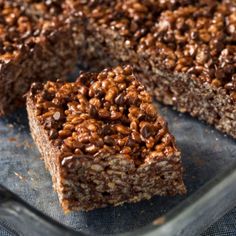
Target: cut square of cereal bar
103,140
35,44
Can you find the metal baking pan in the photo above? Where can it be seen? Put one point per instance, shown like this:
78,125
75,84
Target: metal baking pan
210,177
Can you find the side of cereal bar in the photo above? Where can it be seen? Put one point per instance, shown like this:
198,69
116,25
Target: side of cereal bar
103,141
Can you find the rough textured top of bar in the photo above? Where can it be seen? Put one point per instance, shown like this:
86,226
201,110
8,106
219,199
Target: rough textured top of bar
101,114
131,19
199,41
194,37
24,23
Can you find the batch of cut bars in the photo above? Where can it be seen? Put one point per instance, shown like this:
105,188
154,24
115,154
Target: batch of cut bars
101,137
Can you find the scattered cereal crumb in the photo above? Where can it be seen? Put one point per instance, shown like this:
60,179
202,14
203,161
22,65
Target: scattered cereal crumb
12,139
160,221
19,176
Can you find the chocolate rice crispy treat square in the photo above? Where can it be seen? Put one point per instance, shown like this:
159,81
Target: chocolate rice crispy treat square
35,44
184,50
103,140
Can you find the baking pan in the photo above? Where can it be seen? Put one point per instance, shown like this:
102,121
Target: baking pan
210,177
